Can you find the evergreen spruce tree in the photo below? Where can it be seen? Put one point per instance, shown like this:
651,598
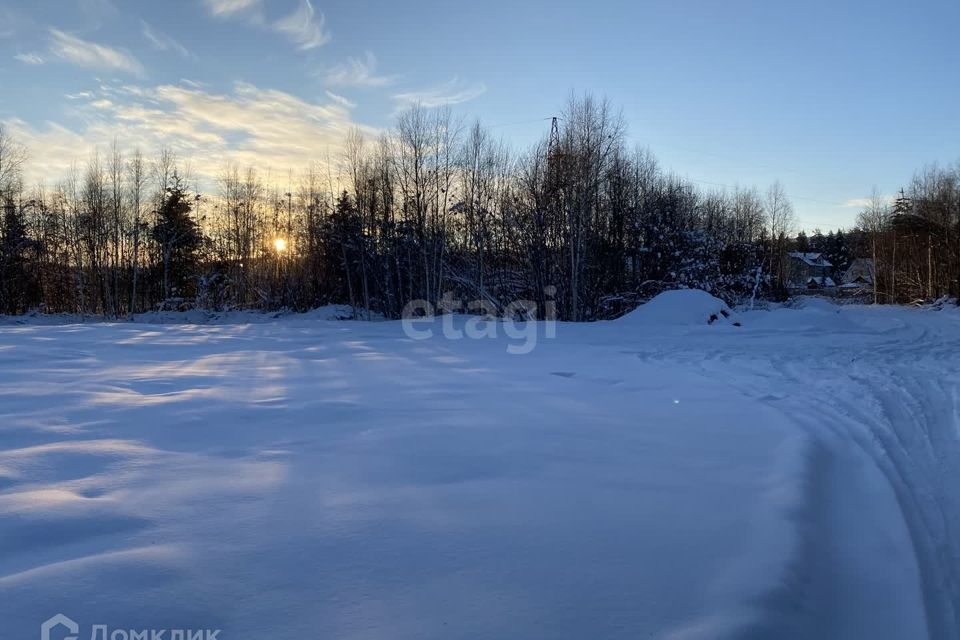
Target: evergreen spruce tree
18,290
179,239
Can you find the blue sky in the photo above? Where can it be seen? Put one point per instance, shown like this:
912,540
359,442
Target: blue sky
831,98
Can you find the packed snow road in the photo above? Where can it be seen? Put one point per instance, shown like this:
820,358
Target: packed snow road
794,477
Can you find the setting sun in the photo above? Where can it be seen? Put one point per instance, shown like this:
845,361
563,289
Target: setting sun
280,245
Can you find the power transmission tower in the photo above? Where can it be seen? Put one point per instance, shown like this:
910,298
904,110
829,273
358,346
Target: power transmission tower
554,134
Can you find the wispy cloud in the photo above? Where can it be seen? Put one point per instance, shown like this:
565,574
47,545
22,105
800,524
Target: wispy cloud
358,72
344,102
305,27
247,126
161,41
448,93
29,58
91,55
226,8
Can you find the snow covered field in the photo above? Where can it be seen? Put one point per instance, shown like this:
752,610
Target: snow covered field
794,477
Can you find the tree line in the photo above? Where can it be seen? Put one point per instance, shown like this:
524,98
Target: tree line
429,210
914,240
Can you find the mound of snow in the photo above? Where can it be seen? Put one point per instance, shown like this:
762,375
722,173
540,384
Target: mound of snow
683,307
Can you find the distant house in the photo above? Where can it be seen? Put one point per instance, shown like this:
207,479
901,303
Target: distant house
806,271
858,278
860,272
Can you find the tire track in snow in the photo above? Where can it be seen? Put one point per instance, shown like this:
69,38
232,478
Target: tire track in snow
896,404
922,464
881,405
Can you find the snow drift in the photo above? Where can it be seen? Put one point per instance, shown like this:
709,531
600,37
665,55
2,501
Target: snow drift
680,308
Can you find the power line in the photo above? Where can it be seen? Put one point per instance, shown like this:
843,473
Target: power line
792,197
519,122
